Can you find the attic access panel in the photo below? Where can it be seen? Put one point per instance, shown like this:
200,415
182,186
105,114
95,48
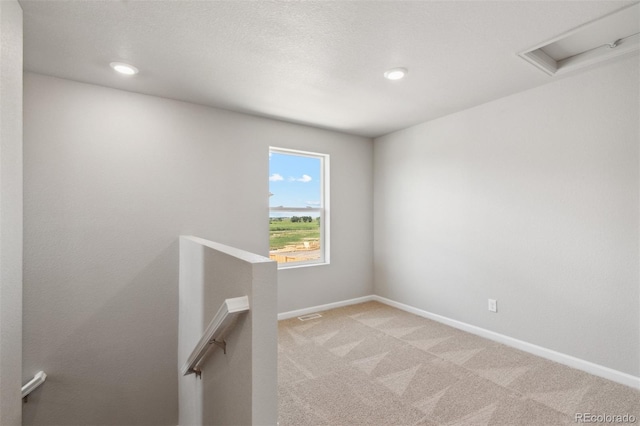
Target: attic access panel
605,38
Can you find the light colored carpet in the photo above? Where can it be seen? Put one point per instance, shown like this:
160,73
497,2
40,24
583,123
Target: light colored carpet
371,364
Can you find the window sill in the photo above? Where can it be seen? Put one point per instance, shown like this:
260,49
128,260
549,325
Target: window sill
302,265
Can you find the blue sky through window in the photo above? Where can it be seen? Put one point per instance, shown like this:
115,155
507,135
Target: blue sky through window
294,180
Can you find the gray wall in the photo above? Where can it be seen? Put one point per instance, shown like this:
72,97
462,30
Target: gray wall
111,180
10,212
531,200
238,386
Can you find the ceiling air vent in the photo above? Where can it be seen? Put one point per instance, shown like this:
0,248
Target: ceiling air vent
605,38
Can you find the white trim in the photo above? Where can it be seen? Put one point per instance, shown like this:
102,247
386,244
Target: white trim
325,215
296,152
294,265
320,308
568,360
541,60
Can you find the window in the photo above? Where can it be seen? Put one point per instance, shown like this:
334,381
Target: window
298,207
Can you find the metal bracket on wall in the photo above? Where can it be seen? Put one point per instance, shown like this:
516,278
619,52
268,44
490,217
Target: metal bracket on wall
221,344
198,373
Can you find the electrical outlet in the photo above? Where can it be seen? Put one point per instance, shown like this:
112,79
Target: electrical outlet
493,305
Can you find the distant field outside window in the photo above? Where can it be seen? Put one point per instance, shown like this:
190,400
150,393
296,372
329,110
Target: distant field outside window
297,213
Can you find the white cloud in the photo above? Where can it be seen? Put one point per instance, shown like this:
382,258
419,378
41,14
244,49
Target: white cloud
313,203
275,177
303,178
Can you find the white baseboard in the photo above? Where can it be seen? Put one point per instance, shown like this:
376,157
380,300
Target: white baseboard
297,313
568,360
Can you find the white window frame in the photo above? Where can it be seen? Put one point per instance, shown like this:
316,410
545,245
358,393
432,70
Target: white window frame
323,209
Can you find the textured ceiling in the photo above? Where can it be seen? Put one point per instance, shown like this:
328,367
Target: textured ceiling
314,62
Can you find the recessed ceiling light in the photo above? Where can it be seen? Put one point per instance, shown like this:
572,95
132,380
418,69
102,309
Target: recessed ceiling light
396,73
123,68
